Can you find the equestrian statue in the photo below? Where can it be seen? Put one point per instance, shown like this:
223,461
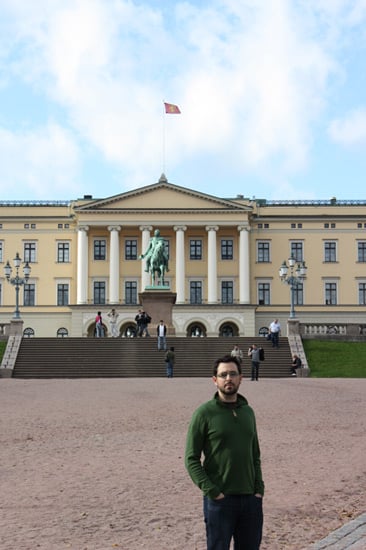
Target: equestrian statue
156,259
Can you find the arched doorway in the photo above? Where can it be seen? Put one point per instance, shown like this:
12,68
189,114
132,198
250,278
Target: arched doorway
129,330
196,330
228,330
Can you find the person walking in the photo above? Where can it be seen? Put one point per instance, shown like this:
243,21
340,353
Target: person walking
161,333
169,362
139,322
222,457
99,329
254,353
275,331
113,318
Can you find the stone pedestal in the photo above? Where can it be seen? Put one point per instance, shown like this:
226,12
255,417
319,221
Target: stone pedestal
158,304
293,327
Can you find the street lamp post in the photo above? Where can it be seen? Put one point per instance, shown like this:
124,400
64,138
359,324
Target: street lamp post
293,278
17,281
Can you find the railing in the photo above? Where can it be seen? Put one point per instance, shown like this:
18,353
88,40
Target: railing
333,329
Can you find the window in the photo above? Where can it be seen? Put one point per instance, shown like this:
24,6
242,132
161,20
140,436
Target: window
362,294
226,249
1,294
330,251
361,248
1,251
99,249
227,292
30,252
264,294
28,332
62,294
298,294
63,252
195,292
99,292
263,251
62,333
131,292
195,249
29,296
331,294
297,251
131,249
59,225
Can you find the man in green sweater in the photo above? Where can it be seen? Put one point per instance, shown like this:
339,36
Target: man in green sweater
224,431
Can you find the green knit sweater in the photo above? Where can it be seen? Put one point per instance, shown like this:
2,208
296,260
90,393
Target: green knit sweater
227,437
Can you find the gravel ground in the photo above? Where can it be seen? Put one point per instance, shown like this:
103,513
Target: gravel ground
98,464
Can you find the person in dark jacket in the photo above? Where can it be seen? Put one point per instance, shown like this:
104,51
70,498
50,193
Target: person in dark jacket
223,459
161,334
296,364
169,362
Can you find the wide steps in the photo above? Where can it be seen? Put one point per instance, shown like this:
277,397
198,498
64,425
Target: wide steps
139,357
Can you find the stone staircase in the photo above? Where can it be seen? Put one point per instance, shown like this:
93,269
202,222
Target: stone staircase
139,357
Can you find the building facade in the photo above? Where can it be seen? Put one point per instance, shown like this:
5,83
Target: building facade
224,260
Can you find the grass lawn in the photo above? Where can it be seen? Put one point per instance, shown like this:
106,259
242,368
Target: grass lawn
329,359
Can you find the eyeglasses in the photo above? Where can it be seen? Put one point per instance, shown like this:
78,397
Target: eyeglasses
232,374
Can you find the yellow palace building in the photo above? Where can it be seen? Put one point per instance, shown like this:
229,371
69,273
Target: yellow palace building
224,260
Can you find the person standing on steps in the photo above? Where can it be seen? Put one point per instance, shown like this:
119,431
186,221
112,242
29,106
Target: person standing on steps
161,331
236,352
254,353
275,331
113,318
169,362
223,459
99,329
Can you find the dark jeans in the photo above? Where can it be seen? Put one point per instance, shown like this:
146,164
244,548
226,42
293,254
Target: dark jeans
275,338
169,369
255,369
235,516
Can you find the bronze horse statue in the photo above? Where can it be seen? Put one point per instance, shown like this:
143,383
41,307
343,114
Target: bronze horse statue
158,264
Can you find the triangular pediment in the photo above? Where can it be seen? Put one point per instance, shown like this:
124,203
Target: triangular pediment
161,196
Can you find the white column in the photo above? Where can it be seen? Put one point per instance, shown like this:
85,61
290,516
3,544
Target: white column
212,264
145,277
244,264
82,266
114,264
180,263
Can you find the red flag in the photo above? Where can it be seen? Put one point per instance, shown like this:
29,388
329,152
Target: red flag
171,109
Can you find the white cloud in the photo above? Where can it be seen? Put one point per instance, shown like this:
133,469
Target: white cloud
251,78
44,162
350,130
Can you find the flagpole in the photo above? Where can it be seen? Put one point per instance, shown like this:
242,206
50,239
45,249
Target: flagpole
164,130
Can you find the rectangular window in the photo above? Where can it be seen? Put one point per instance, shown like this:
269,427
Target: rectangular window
62,294
362,294
167,248
30,252
131,249
1,294
195,292
227,292
331,294
298,294
263,252
99,249
131,292
226,249
99,292
297,251
264,294
330,251
63,252
1,251
361,248
29,296
195,249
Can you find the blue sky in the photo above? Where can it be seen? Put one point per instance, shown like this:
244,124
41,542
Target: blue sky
272,96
